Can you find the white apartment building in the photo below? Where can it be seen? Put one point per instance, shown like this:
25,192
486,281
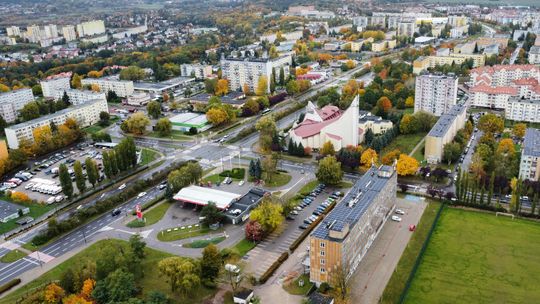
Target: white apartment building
199,71
122,88
378,21
443,132
360,21
457,21
78,97
435,94
534,55
91,28
11,102
34,34
69,33
529,167
503,75
85,114
13,31
50,86
406,28
240,71
523,109
50,31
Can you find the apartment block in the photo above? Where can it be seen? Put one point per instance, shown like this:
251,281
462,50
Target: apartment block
199,71
14,31
122,88
503,75
85,114
345,235
69,33
435,94
378,21
424,62
248,70
361,21
534,55
520,109
529,167
50,86
457,21
78,97
443,132
91,28
381,46
13,101
406,28
50,31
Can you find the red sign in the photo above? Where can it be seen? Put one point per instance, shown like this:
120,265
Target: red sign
138,210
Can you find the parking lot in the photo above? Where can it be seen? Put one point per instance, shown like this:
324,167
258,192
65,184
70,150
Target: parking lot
40,180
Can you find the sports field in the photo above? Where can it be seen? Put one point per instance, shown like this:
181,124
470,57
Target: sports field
476,257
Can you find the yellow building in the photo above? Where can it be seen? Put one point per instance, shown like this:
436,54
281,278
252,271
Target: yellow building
482,42
443,132
423,63
384,45
3,150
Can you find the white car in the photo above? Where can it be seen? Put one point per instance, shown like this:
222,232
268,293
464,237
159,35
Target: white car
59,198
396,218
141,194
122,187
399,211
241,183
28,186
50,200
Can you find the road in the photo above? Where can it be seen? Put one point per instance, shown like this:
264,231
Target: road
516,53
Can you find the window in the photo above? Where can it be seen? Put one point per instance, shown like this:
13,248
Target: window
322,261
323,270
322,245
322,252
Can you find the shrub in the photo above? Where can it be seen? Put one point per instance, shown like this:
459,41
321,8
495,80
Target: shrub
9,285
237,173
19,197
270,271
324,287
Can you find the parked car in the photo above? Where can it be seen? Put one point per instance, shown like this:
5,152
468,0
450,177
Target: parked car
303,226
396,218
399,211
122,187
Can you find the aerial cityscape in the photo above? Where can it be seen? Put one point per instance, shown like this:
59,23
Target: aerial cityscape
255,151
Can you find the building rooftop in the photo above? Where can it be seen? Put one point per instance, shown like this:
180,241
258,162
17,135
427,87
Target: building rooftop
4,94
446,120
531,142
535,49
189,119
56,114
7,209
161,86
233,98
355,203
202,196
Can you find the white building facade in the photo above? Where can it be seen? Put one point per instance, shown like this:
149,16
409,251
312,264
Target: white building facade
435,94
529,167
91,28
122,88
12,102
49,87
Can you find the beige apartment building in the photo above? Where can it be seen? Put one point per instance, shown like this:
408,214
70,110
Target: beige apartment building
443,132
423,63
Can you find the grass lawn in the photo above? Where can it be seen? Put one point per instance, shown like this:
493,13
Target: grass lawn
12,256
204,243
152,216
152,280
307,188
243,247
278,180
419,153
343,185
396,284
294,289
175,134
36,210
148,155
405,143
475,257
179,234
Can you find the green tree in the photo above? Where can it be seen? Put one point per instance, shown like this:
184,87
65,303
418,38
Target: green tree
292,87
327,149
269,166
210,263
186,175
329,171
268,214
65,180
132,73
30,111
491,186
267,129
137,246
137,123
281,76
79,177
182,273
91,171
491,123
451,152
154,109
107,170
104,118
211,214
119,286
164,126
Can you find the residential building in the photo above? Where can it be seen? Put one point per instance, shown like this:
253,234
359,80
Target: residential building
457,21
138,99
85,114
520,109
50,31
381,46
424,62
78,97
406,28
443,132
91,28
328,124
378,21
435,94
3,150
529,167
458,32
96,39
34,34
465,48
376,124
55,83
13,31
361,21
12,102
122,88
248,70
199,71
503,75
482,42
69,33
534,55
345,235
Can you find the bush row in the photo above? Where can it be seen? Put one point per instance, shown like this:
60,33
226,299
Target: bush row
312,226
80,217
270,271
9,285
237,173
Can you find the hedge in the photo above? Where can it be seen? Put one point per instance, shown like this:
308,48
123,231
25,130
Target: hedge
270,271
237,173
9,285
306,232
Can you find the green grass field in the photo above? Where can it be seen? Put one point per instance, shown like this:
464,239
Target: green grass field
12,256
476,257
175,134
36,210
180,234
405,143
243,247
152,216
148,155
278,180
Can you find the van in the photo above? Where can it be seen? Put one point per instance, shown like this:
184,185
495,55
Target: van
51,200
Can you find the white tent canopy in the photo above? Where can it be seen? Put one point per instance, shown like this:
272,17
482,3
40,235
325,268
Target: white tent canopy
202,196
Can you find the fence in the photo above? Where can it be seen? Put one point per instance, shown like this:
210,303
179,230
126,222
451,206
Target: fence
420,255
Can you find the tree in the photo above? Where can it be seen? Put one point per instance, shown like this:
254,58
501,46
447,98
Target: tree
281,76
75,299
217,116
491,123
79,177
262,86
164,126
268,214
91,171
327,149
409,102
157,297
406,165
137,123
104,118
182,273
211,214
329,171
292,87
154,109
384,104
76,81
506,147
65,180
267,129
53,293
519,130
251,107
368,158
254,231
210,85
222,87
188,174
338,279
408,124
451,152
132,73
211,262
269,166
87,288
119,286
30,111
